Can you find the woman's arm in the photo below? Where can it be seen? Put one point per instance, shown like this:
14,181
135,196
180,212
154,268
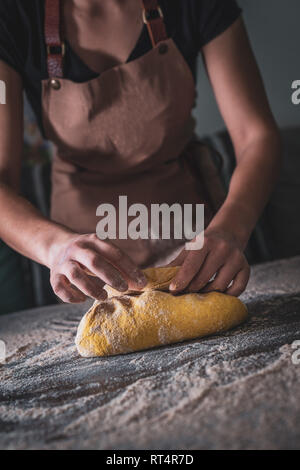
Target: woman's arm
243,103
67,254
242,100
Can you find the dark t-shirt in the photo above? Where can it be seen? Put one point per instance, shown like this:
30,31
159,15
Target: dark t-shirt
191,24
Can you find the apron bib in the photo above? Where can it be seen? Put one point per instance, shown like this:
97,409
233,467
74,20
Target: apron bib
124,133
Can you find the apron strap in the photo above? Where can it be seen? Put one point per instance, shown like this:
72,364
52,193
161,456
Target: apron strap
152,16
53,37
154,19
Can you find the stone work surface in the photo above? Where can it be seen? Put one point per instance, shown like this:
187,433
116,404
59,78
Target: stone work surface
240,390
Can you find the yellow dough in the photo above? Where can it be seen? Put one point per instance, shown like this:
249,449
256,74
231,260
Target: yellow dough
126,323
158,279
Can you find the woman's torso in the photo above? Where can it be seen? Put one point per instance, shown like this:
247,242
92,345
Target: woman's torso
99,39
122,133
191,24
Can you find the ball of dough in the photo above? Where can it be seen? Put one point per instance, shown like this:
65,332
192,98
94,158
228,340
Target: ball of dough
127,323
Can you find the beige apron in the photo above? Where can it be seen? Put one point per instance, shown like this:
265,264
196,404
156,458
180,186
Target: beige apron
124,133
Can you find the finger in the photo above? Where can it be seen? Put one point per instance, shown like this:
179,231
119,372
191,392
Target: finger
98,266
66,292
190,267
239,283
89,286
120,260
210,268
178,261
223,278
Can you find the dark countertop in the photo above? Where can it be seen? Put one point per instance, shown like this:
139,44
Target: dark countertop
239,390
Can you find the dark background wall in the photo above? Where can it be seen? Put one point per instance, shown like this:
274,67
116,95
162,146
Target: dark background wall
274,30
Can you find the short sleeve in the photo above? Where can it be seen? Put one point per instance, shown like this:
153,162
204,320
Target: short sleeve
12,40
213,18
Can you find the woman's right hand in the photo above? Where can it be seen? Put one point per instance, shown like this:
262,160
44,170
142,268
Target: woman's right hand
80,266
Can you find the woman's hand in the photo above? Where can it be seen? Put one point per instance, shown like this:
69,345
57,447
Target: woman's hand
80,266
219,266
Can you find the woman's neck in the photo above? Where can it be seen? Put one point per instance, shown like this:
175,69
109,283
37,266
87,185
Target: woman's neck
103,33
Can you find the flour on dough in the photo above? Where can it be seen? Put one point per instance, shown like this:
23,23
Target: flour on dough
130,322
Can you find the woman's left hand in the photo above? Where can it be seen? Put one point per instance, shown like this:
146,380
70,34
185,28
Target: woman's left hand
219,266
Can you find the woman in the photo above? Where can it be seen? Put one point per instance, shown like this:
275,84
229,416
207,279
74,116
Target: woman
112,83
